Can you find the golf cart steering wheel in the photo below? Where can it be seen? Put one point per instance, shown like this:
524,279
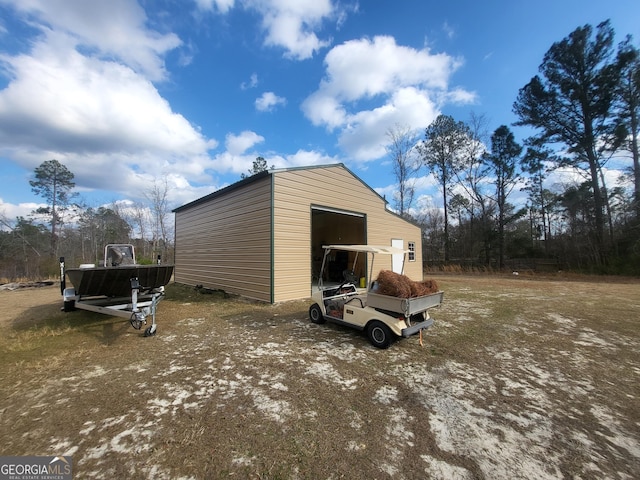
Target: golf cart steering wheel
349,278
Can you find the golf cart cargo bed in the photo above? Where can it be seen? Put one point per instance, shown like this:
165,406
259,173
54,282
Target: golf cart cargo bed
405,306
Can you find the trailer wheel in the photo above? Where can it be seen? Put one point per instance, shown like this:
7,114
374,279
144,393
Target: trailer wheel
69,306
315,314
135,321
150,331
379,334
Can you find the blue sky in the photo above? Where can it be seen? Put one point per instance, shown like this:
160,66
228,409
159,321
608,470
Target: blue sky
126,92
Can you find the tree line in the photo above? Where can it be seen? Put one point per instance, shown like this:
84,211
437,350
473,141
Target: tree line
584,111
30,247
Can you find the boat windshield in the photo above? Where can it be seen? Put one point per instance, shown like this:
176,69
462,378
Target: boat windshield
116,255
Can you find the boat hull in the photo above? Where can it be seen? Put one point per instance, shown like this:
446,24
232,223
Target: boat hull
116,281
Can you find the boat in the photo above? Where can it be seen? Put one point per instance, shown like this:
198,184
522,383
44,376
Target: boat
118,287
115,282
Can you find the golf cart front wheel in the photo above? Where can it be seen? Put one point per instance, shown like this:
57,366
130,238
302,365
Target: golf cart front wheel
315,314
379,334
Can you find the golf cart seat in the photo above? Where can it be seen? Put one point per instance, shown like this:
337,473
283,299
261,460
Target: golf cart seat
358,300
344,289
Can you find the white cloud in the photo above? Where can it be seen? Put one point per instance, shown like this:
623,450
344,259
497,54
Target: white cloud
372,84
460,96
365,68
252,83
448,30
222,6
239,144
60,100
102,117
288,24
237,163
116,29
83,94
9,212
561,178
303,158
268,101
292,23
323,108
365,137
424,185
239,158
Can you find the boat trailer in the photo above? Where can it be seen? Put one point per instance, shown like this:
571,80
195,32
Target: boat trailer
122,290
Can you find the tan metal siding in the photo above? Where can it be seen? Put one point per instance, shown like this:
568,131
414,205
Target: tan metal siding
225,243
385,226
333,186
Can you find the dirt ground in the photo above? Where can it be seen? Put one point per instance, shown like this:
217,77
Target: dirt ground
518,378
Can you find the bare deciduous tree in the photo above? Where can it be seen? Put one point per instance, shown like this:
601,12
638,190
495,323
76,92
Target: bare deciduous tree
406,163
157,196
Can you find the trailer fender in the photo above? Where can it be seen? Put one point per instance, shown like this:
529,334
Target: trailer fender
69,298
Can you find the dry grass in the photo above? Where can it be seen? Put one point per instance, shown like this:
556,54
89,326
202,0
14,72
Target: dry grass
518,378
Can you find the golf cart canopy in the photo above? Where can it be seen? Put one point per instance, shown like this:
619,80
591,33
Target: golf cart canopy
348,274
380,249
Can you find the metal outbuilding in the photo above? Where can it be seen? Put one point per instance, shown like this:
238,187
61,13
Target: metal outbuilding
262,237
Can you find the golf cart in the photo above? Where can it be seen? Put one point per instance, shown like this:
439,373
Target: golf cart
355,303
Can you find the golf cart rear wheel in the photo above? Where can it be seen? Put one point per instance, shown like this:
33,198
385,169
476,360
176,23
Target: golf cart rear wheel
315,314
379,334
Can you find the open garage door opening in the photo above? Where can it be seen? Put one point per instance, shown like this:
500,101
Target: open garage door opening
338,227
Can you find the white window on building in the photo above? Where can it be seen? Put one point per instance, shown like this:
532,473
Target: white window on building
412,251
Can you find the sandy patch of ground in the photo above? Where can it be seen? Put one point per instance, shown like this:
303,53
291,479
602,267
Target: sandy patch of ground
517,379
